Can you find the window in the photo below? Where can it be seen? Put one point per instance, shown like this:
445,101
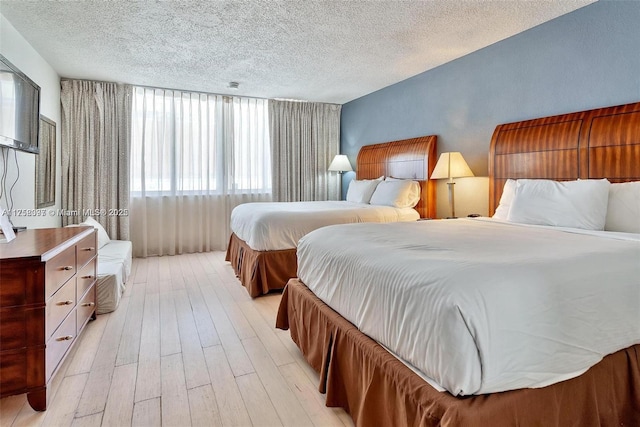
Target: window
194,143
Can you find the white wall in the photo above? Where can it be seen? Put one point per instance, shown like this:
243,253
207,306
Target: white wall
22,55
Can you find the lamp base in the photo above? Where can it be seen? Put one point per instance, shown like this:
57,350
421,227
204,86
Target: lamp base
452,203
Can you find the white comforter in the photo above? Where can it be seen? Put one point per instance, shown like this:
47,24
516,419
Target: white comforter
275,226
481,306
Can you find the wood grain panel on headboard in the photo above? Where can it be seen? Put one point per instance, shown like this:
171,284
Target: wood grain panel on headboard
412,158
601,143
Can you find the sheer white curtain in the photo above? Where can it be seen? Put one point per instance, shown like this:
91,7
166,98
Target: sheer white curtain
194,157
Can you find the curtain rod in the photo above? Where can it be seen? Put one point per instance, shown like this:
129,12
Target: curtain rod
160,88
195,91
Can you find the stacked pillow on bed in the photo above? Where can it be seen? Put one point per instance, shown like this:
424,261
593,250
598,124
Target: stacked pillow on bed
591,204
399,193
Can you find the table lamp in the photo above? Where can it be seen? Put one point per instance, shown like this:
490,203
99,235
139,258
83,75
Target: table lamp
451,165
340,163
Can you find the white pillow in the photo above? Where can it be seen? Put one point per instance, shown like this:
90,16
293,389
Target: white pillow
575,204
397,193
623,213
103,237
508,191
360,191
414,195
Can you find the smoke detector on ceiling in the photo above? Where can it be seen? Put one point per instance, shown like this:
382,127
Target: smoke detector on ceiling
234,85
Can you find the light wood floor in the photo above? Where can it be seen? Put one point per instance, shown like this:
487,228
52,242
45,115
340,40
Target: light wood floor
186,346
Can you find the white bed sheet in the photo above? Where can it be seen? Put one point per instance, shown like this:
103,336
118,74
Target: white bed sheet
481,306
277,226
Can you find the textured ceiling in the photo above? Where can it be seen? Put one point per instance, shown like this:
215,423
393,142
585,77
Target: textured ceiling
327,51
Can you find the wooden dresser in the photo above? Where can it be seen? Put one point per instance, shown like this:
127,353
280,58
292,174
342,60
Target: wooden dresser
47,295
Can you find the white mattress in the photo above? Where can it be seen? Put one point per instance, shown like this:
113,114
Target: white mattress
481,306
114,268
276,226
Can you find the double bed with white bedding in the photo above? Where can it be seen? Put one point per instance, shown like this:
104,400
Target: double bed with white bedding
278,226
262,246
530,320
481,306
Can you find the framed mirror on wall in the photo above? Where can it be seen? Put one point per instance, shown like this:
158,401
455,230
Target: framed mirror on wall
46,164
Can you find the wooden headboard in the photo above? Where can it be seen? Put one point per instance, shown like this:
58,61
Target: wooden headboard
412,158
602,143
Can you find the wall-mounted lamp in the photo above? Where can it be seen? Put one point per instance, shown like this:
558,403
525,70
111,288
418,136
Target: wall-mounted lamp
449,166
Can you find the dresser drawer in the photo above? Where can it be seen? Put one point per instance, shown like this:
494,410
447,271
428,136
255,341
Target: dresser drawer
85,308
60,305
85,278
59,343
60,269
86,249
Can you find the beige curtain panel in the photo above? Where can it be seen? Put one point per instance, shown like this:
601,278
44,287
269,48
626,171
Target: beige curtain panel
305,136
95,153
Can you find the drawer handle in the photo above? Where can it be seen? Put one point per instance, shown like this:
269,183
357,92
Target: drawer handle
87,277
65,338
88,304
88,249
67,267
67,302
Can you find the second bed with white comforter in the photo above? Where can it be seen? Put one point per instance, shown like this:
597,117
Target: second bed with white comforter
278,226
481,306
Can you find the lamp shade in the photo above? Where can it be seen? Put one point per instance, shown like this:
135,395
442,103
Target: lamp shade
340,163
451,165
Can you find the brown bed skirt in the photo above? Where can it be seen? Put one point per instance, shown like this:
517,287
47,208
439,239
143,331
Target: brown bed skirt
359,375
261,271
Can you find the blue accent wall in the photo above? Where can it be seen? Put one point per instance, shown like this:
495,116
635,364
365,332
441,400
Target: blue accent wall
586,59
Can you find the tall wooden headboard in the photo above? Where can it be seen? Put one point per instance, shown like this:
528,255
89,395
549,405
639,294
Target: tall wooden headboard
601,143
412,158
